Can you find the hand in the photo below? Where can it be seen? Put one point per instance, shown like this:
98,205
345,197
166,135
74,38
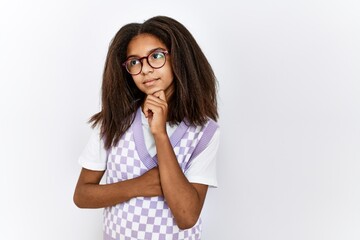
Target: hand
155,110
150,183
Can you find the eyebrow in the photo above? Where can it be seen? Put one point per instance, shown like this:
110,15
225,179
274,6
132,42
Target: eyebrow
150,51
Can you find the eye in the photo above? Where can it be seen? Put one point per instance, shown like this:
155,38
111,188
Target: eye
157,55
133,62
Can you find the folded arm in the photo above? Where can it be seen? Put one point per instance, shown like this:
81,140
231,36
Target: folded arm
89,193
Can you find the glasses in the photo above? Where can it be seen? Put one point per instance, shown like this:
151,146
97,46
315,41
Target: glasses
155,59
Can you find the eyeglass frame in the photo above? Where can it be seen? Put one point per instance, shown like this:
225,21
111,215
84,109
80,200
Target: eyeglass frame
165,52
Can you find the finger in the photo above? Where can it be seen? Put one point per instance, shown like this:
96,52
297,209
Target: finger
147,109
160,94
155,102
155,98
151,106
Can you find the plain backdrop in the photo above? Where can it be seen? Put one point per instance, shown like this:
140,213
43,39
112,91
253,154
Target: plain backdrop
289,104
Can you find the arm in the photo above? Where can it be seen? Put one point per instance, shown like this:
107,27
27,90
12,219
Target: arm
184,198
90,194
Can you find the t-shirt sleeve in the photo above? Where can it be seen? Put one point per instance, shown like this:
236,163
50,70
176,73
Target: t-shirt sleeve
202,168
93,157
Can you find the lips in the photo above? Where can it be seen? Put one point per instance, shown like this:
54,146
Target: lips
149,82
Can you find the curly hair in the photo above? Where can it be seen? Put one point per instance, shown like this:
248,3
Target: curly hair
195,85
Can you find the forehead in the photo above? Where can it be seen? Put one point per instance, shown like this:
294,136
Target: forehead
142,44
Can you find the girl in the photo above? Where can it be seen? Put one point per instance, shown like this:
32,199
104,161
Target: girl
155,138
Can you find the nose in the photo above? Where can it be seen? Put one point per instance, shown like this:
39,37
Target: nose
146,67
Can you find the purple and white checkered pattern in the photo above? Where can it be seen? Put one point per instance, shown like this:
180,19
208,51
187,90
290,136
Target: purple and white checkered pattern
186,146
145,217
123,161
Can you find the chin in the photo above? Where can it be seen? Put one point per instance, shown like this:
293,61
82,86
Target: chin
152,91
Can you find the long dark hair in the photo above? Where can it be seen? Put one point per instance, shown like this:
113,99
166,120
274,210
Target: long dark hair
195,85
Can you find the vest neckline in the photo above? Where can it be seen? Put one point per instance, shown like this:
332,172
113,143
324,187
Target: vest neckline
151,162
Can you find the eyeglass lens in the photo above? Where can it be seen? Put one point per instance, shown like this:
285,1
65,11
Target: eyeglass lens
155,60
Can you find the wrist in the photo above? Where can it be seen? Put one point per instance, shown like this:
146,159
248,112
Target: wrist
134,189
161,136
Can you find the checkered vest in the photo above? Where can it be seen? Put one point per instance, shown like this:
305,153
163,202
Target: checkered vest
148,218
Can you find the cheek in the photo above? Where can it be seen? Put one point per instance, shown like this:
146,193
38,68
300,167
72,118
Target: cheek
169,74
136,81
138,86
171,77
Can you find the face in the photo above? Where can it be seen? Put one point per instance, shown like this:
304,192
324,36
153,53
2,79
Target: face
150,79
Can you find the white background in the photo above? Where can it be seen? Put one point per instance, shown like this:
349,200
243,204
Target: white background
289,102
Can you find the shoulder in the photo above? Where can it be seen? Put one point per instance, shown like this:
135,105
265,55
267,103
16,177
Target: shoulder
213,124
208,137
94,155
210,128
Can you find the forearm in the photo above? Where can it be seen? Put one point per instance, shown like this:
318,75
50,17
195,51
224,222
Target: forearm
93,195
181,196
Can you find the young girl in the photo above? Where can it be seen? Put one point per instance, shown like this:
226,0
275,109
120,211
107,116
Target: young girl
155,138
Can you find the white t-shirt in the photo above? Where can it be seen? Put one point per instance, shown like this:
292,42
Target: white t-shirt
202,168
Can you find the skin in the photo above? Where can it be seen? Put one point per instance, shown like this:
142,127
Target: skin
185,199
